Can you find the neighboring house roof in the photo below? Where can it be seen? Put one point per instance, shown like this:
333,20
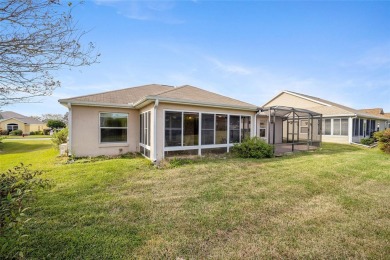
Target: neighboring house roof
372,111
137,97
329,108
5,115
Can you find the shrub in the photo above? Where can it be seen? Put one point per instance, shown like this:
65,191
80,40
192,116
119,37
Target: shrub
4,132
46,131
55,124
17,187
16,132
32,133
252,148
367,141
383,138
60,137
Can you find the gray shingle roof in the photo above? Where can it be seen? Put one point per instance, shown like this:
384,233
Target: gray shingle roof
185,94
25,119
121,96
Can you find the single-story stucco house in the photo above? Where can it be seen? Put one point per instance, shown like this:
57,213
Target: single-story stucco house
340,124
10,121
158,121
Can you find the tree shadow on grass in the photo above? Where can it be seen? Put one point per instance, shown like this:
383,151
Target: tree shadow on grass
11,147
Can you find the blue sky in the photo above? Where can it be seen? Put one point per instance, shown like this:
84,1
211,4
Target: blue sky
249,50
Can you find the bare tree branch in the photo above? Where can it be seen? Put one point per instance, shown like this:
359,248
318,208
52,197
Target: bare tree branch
36,38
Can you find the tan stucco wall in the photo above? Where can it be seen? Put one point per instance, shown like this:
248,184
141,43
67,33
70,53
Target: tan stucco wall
165,106
335,139
26,128
85,132
37,127
21,125
289,100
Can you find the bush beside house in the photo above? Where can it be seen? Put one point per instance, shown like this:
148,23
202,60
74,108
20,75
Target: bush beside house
383,138
252,148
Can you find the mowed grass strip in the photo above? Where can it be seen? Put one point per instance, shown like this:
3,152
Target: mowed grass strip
332,203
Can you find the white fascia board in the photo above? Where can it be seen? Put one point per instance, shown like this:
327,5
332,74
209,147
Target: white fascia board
190,102
94,104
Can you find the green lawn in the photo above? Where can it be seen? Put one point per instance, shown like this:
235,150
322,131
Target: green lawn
26,136
333,203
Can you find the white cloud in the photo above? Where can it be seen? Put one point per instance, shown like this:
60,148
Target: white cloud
143,10
229,67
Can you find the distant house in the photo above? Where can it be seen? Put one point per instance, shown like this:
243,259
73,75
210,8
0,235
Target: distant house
158,121
376,112
340,124
10,121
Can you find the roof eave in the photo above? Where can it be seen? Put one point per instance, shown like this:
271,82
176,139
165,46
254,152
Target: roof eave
66,102
150,99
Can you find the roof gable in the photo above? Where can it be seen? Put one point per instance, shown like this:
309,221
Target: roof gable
5,115
192,93
320,105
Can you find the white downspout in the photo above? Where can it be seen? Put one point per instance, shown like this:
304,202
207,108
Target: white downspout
156,102
70,129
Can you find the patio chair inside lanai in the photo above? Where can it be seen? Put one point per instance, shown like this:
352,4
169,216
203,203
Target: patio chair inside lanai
290,129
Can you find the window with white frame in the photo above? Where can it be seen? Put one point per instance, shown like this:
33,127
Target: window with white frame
340,126
173,128
263,127
184,128
145,127
12,127
304,127
326,126
208,128
113,127
221,128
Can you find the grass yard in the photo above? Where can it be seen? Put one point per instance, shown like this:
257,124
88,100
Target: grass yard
26,136
333,203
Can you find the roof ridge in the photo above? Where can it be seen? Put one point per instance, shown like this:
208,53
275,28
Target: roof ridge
217,94
170,90
117,90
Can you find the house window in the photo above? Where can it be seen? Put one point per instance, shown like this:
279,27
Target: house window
221,129
145,126
208,128
113,127
336,127
304,127
355,123
12,127
344,126
234,127
191,128
173,127
245,127
194,129
340,126
326,127
262,128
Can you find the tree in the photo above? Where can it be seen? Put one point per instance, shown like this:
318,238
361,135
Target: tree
46,117
36,38
55,124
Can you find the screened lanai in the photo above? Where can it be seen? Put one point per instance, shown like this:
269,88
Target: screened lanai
292,129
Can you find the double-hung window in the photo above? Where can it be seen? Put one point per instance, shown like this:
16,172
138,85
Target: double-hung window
113,127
